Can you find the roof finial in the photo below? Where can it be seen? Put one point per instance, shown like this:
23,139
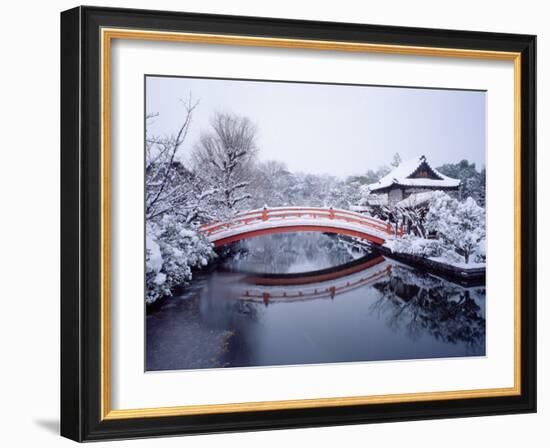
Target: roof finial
423,157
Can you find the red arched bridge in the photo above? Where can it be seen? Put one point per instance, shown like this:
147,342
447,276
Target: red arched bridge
298,219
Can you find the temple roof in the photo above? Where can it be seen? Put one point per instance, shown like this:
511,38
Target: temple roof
404,175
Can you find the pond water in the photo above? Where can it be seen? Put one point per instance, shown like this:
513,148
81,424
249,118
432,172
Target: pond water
309,298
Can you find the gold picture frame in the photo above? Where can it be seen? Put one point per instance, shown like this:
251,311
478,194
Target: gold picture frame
437,45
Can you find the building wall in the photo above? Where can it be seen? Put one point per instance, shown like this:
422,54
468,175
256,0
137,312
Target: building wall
395,195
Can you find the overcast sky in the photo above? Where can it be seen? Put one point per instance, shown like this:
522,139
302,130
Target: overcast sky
335,129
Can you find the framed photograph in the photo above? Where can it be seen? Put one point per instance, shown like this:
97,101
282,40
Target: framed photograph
273,223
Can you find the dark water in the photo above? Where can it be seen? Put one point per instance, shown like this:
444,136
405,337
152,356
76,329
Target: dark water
308,298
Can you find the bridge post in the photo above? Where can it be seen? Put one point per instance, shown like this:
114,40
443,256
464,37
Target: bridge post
264,213
331,213
265,297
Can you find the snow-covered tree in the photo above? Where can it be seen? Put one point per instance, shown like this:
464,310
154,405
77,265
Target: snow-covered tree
410,217
459,224
270,182
344,194
224,159
414,245
175,201
396,160
172,250
471,228
472,182
163,174
371,176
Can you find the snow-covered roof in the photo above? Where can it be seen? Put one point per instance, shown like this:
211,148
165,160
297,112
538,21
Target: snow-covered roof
402,176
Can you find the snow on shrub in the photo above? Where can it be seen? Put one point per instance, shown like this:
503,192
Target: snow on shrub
480,254
460,225
171,251
412,245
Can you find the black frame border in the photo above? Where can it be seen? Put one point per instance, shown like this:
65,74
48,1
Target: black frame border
81,223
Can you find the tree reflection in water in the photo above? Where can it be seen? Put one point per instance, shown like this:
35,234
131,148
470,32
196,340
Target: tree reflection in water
287,253
420,303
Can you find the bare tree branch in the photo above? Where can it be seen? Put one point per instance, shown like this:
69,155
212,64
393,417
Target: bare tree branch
166,150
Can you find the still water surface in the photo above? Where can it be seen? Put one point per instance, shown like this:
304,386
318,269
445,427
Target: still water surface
307,298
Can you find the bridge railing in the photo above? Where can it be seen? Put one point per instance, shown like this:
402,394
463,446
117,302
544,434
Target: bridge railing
313,210
285,213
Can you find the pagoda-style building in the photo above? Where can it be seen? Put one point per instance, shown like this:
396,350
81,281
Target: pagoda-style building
412,177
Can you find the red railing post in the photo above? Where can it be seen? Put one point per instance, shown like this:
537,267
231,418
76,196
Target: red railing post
331,213
264,214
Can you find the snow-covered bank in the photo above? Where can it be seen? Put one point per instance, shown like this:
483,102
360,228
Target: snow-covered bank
471,274
448,232
172,252
434,250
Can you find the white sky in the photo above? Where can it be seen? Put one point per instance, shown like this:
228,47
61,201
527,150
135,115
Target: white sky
336,129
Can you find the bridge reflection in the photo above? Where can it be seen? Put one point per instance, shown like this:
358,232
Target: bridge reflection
324,283
409,300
